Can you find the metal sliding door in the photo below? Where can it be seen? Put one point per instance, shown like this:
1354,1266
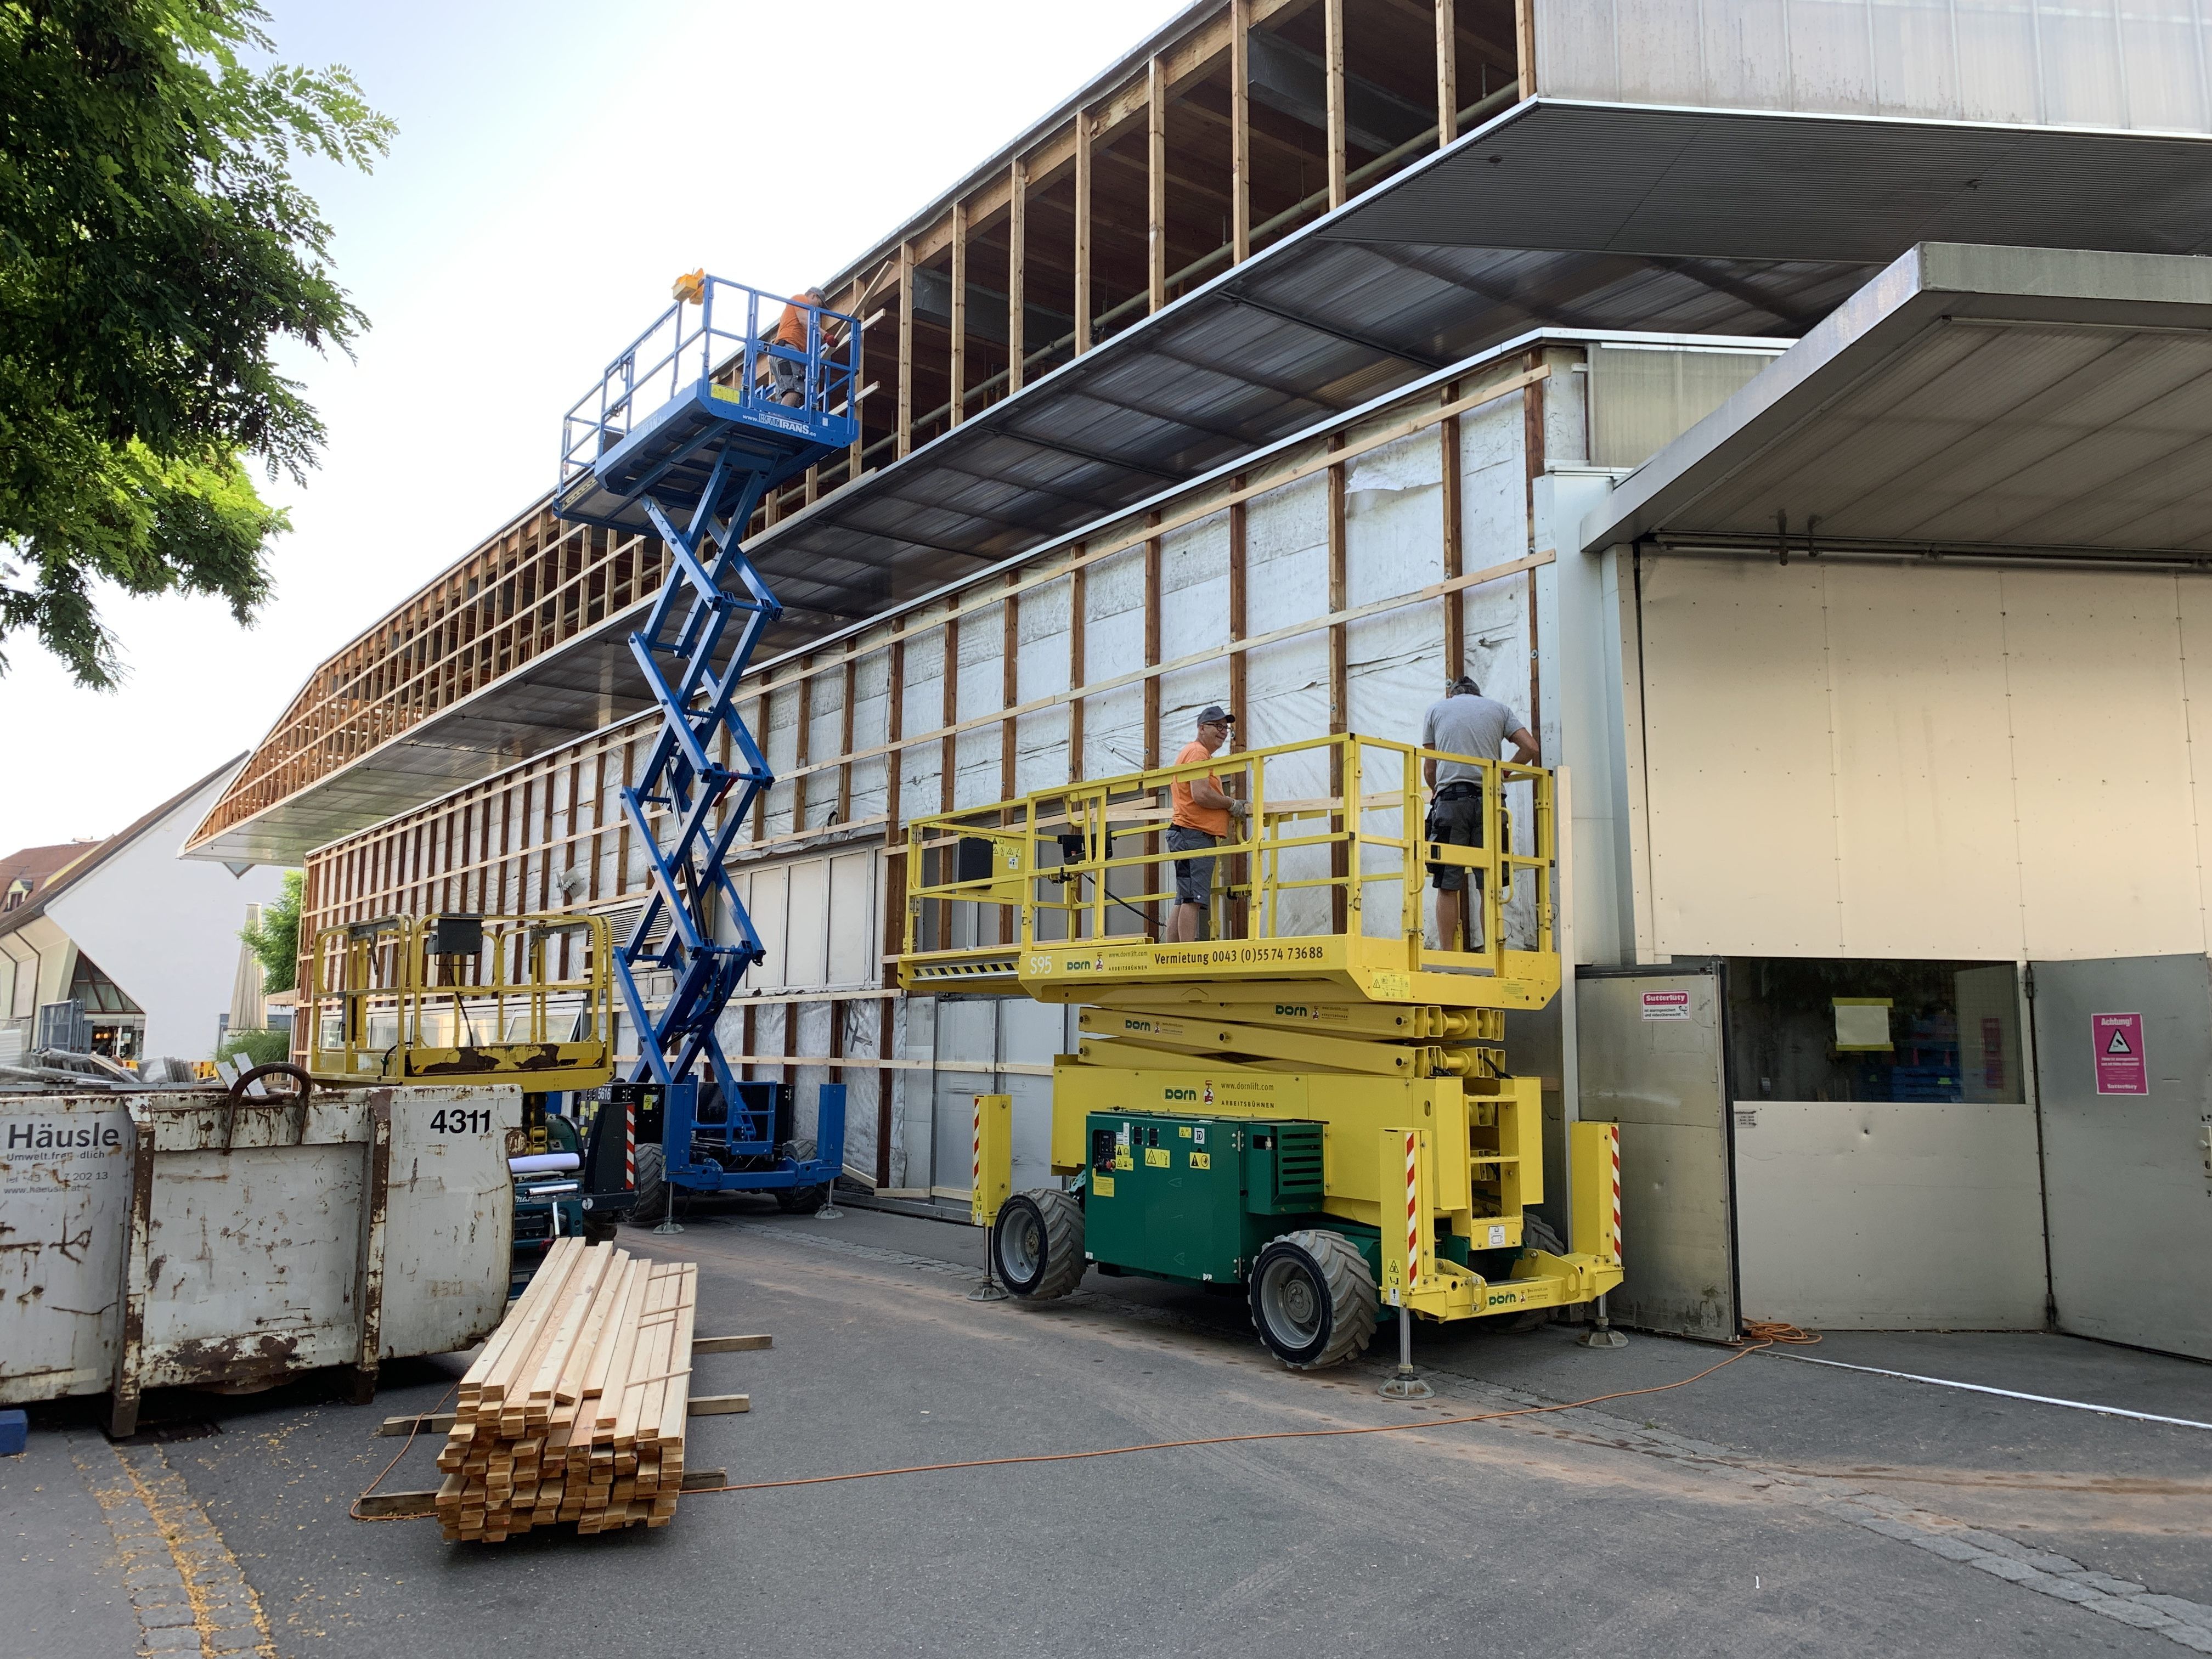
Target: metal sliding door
1653,1059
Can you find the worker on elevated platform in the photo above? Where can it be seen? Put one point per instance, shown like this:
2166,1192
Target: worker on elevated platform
1199,822
1463,722
789,379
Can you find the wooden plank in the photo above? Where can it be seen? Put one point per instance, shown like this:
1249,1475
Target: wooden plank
1156,184
1083,130
429,1423
957,399
718,1405
1333,76
730,1344
1524,45
1453,517
1017,248
1078,671
1339,688
903,431
1240,131
1447,74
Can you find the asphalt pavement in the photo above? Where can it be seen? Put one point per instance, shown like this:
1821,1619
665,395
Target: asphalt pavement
1771,1507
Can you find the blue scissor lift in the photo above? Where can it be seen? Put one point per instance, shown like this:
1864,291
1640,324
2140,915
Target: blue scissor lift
683,435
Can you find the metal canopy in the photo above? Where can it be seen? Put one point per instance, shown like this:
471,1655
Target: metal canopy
1968,400
1578,216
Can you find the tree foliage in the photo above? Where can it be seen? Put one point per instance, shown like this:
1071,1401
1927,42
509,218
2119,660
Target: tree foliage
275,940
153,249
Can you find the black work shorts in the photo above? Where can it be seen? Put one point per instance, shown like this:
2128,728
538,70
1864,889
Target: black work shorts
1456,819
1193,876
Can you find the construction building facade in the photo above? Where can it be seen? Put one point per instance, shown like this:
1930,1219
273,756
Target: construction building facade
1800,412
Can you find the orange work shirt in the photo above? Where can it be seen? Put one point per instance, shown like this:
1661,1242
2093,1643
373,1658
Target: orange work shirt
1214,820
791,330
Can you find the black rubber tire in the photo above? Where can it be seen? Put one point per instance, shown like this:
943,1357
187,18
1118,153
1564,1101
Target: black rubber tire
801,1200
652,1204
1312,1297
1536,1233
599,1230
1036,1243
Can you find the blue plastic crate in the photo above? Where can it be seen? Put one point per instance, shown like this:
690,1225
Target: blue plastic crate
15,1433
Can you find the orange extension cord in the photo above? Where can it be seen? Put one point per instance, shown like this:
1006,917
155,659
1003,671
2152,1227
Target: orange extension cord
1764,1334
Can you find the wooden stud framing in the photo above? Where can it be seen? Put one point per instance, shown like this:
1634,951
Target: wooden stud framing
1532,419
1082,231
1239,663
1152,749
951,685
1332,72
1524,45
844,733
1240,131
1155,183
859,298
1454,515
1078,670
1339,691
1017,245
904,431
957,400
1447,74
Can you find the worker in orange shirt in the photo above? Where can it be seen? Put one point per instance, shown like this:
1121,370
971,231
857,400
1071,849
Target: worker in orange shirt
789,378
1199,822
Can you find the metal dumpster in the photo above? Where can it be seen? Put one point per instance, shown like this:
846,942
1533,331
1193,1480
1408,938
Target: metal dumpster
185,1238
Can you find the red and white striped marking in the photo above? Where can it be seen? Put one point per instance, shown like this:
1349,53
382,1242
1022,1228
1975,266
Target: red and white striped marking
1412,1211
976,1173
1614,1137
629,1143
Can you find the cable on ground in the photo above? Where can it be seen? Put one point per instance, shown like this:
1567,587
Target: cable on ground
354,1508
1780,1331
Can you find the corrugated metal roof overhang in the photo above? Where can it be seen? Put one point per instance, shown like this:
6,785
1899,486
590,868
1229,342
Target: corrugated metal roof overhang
1969,398
1582,215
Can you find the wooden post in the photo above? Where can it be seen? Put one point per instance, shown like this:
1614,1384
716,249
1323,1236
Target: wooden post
1078,597
1152,749
904,429
950,713
804,692
845,737
1240,920
1340,696
860,380
1455,602
1240,131
1156,178
1447,74
1524,45
1082,231
1017,241
1532,418
958,402
1010,685
1332,65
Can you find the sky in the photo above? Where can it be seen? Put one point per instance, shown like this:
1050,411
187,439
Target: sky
558,163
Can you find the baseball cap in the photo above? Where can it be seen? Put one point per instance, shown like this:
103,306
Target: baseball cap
1214,715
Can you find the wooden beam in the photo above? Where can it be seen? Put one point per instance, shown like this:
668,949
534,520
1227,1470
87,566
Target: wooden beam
1156,191
859,379
1454,609
1240,131
1010,684
1532,418
730,1344
1524,45
894,873
903,432
956,398
803,750
1151,751
1332,72
1082,232
844,733
1017,239
949,689
1239,871
1339,693
717,1405
1447,74
1077,671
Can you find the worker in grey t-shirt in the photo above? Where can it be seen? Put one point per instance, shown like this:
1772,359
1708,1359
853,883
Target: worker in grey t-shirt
1465,722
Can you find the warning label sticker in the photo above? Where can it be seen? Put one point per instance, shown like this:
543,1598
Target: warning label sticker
2117,1048
1666,1004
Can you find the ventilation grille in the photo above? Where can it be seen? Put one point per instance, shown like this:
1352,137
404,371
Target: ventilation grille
1297,1163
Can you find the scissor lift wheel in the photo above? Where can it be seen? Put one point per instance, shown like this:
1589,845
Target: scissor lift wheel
1312,1299
1036,1243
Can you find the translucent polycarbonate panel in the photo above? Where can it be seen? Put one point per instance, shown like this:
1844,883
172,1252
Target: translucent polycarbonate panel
2124,64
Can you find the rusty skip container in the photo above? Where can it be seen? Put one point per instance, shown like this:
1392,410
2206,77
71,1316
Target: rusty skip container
180,1239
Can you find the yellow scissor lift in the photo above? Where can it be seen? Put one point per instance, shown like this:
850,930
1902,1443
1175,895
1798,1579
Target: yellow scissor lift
1310,1103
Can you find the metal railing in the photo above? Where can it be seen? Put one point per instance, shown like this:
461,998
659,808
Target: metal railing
725,345
532,1002
1327,846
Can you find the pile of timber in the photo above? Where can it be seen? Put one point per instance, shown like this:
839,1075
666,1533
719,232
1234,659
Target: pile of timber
575,1409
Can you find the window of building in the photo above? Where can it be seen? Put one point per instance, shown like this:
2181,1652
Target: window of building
1846,1031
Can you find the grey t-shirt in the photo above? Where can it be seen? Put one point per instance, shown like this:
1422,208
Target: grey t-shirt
1467,724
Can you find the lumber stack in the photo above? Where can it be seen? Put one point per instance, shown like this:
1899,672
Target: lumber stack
575,1409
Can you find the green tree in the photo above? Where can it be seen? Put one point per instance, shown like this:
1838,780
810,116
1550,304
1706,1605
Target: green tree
275,941
153,248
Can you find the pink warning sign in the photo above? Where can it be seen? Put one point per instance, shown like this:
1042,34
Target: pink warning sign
2118,1043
